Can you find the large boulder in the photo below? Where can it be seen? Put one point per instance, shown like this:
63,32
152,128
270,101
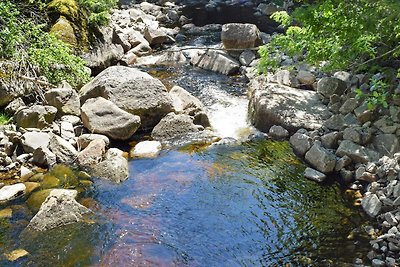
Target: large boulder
240,36
113,168
174,126
60,208
290,108
321,159
104,117
36,116
133,91
65,99
216,61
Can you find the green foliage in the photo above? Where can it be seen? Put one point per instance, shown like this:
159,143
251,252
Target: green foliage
24,41
378,94
340,33
4,119
98,10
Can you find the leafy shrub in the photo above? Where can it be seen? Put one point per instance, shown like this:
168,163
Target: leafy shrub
341,33
98,10
24,41
378,94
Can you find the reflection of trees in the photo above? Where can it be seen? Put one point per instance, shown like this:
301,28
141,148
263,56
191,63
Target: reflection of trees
296,216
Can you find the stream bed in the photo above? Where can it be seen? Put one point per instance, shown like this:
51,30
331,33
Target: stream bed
238,204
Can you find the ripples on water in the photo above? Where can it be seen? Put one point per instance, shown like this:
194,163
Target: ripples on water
225,206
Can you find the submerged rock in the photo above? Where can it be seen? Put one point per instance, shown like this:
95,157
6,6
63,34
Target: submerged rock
60,208
290,108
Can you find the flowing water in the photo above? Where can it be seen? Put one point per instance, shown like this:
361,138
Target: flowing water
242,204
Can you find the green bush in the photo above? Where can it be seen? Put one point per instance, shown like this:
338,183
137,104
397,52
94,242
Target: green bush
24,41
343,34
98,10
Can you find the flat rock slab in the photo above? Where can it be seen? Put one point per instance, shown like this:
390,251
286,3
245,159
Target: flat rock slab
275,104
10,192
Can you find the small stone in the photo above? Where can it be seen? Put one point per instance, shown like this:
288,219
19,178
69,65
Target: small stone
342,163
389,217
16,254
371,204
314,175
278,132
321,159
146,149
378,263
25,173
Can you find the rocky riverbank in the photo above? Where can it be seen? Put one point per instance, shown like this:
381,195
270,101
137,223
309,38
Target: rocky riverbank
320,115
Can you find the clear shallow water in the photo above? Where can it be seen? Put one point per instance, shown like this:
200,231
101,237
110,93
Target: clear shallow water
246,205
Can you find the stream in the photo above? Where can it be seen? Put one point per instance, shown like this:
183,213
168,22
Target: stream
241,204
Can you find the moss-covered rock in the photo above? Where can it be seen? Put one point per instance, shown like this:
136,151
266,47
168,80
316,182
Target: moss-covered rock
67,14
64,31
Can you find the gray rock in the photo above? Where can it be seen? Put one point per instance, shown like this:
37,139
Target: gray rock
246,57
65,99
63,150
290,108
378,263
278,132
353,135
32,140
240,36
301,143
10,192
60,208
114,168
67,131
74,120
342,163
357,153
328,86
174,126
349,106
9,91
133,91
371,204
288,78
306,77
14,106
386,144
92,154
216,61
321,159
85,139
42,156
314,175
363,114
36,116
155,36
183,100
104,117
330,140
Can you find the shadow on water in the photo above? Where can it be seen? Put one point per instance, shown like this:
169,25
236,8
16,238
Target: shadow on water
202,16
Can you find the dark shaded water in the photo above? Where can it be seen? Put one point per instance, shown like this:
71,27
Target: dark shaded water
244,205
